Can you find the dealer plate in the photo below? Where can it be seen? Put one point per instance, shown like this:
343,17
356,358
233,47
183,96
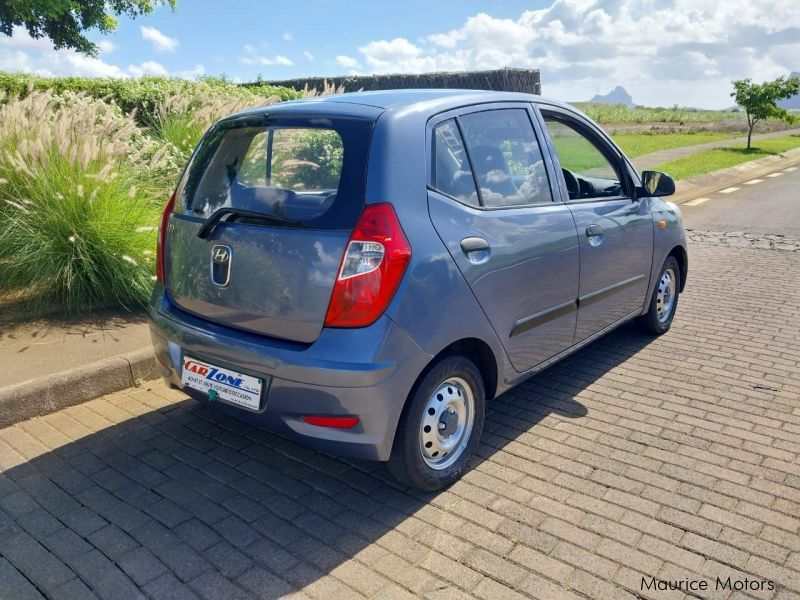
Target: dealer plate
222,384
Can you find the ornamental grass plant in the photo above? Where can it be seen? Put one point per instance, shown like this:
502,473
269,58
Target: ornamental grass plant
81,188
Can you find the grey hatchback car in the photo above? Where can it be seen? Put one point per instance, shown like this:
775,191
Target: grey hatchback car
364,272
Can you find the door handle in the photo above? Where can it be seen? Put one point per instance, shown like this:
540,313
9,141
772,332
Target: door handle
476,249
594,231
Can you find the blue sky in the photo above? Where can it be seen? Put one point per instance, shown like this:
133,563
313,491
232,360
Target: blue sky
663,52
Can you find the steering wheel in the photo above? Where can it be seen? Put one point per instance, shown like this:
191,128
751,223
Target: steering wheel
573,187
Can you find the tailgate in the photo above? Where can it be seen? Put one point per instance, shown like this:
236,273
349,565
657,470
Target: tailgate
280,196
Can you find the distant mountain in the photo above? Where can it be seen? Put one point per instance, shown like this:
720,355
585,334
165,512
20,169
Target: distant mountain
792,103
618,95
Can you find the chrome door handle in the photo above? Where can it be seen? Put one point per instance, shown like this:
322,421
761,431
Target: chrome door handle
476,249
474,244
594,231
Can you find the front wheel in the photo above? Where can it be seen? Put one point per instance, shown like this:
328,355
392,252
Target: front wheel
664,303
441,426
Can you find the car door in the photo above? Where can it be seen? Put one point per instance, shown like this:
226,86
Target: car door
615,229
491,202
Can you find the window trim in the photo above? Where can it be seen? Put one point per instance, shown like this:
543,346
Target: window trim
486,107
597,138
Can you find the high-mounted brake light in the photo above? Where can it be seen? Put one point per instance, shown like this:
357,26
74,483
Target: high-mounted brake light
162,237
374,263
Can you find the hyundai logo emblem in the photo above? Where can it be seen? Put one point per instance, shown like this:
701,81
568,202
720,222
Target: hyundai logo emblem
221,265
221,254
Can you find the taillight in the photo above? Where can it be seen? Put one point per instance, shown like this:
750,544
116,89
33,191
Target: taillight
162,237
374,263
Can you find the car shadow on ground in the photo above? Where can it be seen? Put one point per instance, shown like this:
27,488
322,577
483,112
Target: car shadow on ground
222,504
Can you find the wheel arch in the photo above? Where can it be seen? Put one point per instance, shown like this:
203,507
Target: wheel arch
476,350
680,254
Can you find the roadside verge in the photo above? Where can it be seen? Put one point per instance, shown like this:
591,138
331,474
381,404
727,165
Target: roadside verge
700,185
53,392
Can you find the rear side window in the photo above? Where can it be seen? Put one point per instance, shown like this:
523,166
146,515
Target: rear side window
506,157
451,171
313,175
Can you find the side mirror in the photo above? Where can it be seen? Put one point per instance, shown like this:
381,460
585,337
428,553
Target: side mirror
655,183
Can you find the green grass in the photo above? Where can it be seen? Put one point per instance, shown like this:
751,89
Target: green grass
577,155
721,158
619,113
80,197
637,144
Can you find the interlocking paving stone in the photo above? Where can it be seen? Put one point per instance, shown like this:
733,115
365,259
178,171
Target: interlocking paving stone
668,457
141,565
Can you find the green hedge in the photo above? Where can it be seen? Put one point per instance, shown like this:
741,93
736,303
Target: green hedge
141,95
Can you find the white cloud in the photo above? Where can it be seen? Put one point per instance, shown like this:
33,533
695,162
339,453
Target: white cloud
161,42
308,55
106,46
21,52
347,62
287,36
670,52
149,67
193,73
252,57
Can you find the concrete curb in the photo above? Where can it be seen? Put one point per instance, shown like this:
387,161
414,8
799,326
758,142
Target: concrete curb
688,189
67,388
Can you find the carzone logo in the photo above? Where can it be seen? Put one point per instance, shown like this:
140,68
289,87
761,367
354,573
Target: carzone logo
214,374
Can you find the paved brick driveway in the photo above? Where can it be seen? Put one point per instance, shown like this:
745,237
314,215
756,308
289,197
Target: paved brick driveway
675,458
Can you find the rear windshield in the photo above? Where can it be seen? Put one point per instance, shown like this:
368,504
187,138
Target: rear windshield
309,171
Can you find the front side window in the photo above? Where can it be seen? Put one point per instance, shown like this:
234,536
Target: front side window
587,172
506,157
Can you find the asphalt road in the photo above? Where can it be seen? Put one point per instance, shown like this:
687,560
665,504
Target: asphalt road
769,204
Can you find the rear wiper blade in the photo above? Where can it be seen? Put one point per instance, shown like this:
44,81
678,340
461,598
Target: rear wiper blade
218,215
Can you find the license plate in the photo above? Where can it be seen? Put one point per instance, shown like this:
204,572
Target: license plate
222,384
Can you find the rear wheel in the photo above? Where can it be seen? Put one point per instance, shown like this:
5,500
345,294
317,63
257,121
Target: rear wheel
664,303
441,425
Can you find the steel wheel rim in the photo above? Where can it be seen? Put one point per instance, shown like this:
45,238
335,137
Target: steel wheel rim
665,296
446,425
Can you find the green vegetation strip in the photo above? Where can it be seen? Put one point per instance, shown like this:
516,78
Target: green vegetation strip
720,158
637,144
619,113
582,156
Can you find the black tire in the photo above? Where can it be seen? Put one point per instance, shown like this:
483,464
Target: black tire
407,463
655,321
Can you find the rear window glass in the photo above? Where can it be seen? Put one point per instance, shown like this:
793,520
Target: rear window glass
307,174
451,171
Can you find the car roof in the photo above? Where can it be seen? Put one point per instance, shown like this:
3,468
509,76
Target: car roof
425,100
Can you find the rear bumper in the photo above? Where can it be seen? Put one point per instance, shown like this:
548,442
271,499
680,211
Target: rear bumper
365,372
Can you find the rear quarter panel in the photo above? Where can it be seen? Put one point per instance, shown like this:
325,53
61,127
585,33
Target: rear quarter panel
433,304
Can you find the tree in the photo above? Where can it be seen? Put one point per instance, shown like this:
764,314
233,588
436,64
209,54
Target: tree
759,100
66,21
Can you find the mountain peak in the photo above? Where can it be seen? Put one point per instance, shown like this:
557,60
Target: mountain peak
619,95
792,103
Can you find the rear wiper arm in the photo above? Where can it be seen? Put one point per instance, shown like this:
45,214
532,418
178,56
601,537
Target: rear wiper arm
218,215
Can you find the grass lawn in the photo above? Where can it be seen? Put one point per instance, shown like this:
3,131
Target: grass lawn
721,158
618,113
578,155
637,144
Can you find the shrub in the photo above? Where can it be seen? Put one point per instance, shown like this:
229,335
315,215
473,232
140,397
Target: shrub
139,97
311,160
80,193
181,120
